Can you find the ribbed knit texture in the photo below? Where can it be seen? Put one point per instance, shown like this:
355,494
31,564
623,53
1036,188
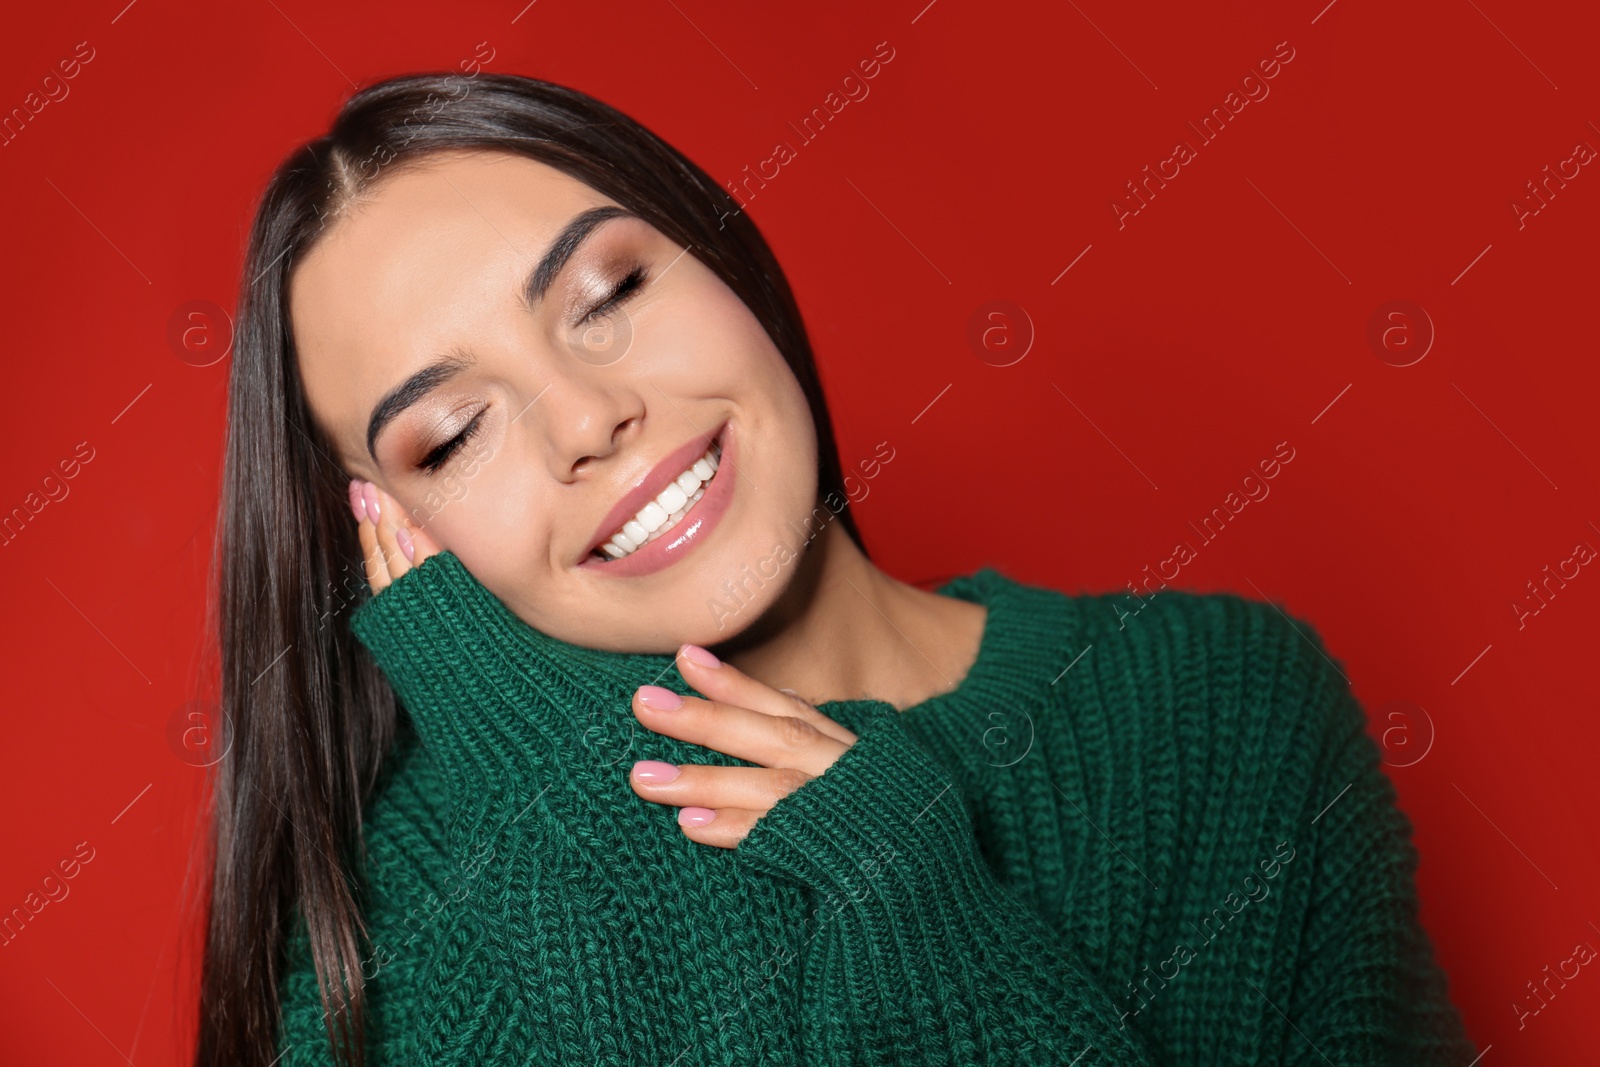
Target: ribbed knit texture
1163,838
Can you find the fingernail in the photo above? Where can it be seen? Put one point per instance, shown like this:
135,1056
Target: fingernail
696,654
695,816
358,507
403,539
655,772
369,493
653,696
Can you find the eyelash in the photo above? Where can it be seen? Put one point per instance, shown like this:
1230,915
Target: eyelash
630,284
431,463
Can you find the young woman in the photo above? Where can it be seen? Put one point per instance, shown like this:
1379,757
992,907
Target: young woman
627,752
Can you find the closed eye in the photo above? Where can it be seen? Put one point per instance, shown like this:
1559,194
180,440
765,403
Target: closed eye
438,457
631,283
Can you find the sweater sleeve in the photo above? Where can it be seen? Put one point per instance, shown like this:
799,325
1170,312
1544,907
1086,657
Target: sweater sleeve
920,955
1366,988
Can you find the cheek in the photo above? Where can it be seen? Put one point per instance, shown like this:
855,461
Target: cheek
707,342
483,509
712,346
782,430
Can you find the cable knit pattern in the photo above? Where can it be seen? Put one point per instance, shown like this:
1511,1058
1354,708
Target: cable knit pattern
1161,838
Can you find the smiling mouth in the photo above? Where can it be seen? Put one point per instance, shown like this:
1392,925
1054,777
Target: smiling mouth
668,508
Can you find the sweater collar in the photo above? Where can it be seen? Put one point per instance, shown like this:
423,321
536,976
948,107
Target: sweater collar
496,700
1030,638
504,708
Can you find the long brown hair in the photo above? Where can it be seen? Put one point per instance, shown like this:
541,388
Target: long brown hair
310,717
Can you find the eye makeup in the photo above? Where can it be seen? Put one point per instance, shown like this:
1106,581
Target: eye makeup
630,284
431,463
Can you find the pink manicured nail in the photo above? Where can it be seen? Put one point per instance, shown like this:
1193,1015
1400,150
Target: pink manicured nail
653,696
369,493
695,816
655,772
696,654
403,539
358,507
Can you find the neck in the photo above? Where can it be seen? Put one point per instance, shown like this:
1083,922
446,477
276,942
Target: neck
844,630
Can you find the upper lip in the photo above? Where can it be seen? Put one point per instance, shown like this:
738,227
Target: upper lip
650,486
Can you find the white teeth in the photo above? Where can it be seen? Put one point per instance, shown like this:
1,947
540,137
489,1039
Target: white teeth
672,498
652,516
665,511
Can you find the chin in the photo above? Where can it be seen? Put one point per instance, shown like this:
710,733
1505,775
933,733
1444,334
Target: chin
737,591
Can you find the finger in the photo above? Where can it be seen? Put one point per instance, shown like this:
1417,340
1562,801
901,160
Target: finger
725,828
691,784
728,684
769,740
371,555
393,538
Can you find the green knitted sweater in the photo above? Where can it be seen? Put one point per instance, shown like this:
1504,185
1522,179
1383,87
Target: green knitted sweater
1152,838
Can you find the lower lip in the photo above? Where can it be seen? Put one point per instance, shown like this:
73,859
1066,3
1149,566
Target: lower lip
692,529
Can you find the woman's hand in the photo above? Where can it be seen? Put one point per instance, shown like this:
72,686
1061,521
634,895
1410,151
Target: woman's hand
390,546
792,741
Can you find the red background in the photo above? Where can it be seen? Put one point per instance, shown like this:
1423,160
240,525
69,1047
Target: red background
1229,315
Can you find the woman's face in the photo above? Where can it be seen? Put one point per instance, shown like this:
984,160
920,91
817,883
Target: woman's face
564,412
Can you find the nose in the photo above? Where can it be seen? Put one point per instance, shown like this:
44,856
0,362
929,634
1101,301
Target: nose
583,422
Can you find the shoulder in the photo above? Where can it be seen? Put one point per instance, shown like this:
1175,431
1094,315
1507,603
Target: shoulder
1212,668
1263,674
1174,624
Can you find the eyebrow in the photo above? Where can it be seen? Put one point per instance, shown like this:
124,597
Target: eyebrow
538,282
